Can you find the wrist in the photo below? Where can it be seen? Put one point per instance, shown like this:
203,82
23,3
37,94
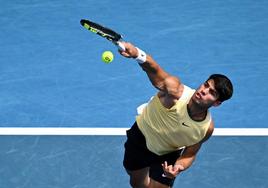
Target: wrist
141,56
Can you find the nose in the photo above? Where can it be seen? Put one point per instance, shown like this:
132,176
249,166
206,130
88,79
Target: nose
204,91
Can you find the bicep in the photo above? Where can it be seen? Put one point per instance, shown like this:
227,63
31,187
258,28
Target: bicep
171,86
160,79
157,75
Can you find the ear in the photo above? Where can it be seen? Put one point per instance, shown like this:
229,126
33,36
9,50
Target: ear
217,103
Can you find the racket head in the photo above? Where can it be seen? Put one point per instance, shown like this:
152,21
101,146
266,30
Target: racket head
104,32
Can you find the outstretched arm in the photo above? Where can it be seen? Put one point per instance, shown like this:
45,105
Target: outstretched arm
158,77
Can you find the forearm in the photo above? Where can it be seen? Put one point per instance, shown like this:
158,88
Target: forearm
171,171
154,72
150,66
188,156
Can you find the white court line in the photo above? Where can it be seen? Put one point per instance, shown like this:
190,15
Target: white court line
116,131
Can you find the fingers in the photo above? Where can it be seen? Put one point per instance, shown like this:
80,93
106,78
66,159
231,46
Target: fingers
165,169
171,171
124,53
178,167
168,170
130,50
164,165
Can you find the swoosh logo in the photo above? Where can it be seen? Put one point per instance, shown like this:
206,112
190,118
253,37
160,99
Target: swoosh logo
183,123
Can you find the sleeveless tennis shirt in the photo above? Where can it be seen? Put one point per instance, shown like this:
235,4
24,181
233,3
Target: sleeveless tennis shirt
167,130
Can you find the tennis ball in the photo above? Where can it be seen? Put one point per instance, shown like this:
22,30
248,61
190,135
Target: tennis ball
107,57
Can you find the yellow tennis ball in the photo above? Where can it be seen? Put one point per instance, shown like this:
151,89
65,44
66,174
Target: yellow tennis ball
107,57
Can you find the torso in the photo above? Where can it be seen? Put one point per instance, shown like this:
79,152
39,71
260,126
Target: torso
163,125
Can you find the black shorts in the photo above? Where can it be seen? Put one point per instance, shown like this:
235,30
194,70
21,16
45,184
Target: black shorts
137,156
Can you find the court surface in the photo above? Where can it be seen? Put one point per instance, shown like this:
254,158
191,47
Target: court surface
52,77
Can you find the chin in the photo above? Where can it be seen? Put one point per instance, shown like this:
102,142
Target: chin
196,101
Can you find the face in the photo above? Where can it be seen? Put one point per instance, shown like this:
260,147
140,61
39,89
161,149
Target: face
206,95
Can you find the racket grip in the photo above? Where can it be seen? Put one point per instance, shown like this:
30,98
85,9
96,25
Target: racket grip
120,46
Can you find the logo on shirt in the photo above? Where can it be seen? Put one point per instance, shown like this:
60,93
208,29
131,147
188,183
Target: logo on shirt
184,124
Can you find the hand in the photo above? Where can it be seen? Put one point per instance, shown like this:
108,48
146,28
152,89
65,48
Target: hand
171,171
130,50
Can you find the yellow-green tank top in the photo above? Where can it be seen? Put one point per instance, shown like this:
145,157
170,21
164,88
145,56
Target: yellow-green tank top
167,130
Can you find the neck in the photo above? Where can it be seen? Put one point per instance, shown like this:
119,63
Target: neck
196,112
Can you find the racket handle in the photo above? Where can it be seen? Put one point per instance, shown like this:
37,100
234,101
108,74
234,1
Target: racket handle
120,46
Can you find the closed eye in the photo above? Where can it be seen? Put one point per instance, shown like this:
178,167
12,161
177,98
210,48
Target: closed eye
206,84
211,90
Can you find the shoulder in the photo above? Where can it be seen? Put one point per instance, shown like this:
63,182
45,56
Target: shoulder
172,81
173,86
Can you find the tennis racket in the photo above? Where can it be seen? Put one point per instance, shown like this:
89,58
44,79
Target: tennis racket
104,32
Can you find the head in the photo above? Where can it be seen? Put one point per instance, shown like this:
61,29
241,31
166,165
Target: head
223,86
214,91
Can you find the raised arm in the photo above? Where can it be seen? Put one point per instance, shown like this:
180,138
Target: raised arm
158,77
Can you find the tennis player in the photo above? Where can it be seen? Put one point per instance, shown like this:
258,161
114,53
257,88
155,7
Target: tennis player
167,135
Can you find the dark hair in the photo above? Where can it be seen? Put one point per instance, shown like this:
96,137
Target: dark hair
223,86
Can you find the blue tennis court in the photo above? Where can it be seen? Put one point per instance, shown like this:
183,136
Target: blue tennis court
52,76
95,161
